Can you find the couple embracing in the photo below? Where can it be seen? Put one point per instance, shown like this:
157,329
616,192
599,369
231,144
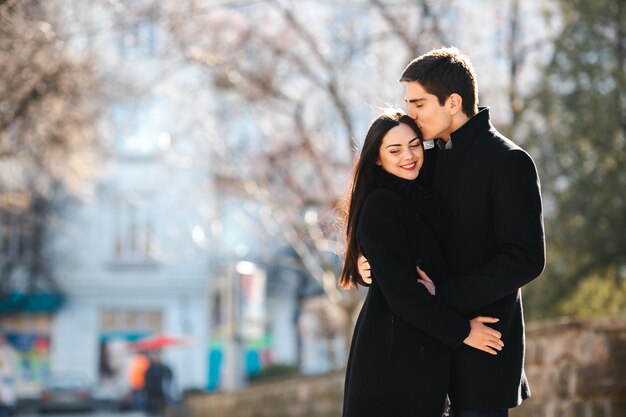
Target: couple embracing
444,238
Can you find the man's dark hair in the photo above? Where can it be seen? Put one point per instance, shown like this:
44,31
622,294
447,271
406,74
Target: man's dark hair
443,72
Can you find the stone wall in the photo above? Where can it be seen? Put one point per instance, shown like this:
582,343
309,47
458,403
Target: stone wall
314,396
576,369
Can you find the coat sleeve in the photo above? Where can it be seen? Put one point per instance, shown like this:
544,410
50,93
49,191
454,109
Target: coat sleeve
383,234
518,230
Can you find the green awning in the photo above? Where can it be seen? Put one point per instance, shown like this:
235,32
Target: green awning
43,302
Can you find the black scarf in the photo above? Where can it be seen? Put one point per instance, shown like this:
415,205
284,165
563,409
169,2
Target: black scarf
423,204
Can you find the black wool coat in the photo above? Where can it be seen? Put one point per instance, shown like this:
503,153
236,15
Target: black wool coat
400,353
494,245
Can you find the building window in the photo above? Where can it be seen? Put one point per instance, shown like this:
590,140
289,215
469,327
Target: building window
137,32
10,236
131,322
134,233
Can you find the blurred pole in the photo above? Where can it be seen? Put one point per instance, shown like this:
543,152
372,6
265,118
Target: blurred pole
233,376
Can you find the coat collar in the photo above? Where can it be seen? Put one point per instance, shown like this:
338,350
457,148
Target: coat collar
421,201
463,137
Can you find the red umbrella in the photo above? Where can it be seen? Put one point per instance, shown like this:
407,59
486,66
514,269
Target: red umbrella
159,341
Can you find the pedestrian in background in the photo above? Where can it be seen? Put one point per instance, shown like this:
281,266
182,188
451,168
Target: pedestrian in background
137,378
158,380
8,363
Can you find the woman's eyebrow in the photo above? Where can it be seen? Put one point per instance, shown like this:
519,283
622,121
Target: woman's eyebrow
399,144
393,144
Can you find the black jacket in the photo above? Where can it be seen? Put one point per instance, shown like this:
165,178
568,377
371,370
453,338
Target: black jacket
399,358
494,244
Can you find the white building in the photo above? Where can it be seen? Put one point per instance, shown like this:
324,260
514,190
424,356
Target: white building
133,268
135,254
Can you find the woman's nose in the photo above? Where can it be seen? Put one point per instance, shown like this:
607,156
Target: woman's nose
409,154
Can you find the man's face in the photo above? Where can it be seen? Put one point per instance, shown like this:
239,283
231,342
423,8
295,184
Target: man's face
433,119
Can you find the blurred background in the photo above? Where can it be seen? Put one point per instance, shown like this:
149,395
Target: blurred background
170,174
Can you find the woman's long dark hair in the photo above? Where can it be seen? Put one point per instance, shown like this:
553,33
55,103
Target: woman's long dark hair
362,183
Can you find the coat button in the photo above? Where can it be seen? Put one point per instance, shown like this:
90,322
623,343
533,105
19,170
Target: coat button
422,350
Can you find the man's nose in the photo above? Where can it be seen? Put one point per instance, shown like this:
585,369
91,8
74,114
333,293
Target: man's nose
411,112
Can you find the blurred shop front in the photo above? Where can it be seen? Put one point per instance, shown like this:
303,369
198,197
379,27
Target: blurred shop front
240,344
26,322
94,334
119,328
265,322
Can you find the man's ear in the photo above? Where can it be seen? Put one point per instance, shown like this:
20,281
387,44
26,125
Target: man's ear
455,104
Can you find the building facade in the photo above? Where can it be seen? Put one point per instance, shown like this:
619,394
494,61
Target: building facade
134,257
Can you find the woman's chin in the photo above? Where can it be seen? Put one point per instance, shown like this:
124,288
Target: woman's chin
408,175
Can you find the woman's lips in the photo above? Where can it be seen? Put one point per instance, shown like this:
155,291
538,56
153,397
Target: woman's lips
409,167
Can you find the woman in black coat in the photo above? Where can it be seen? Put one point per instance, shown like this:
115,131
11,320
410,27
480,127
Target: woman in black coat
399,358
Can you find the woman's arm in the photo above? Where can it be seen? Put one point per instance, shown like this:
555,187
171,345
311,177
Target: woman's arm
383,234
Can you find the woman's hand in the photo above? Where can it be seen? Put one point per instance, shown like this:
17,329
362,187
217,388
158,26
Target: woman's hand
364,269
483,337
426,281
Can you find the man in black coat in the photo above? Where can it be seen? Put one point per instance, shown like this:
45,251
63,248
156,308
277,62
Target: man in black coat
158,377
494,242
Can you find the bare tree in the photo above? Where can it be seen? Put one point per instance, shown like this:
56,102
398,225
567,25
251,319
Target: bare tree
522,49
416,24
48,139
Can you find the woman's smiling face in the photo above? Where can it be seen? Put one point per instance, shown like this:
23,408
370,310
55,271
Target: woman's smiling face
401,152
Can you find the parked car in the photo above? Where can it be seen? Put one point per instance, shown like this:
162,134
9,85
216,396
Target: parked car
111,395
66,392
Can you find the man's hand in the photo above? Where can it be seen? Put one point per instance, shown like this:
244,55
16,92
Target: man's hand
426,281
364,269
483,337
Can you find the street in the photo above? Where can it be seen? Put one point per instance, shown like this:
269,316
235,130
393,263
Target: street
92,414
